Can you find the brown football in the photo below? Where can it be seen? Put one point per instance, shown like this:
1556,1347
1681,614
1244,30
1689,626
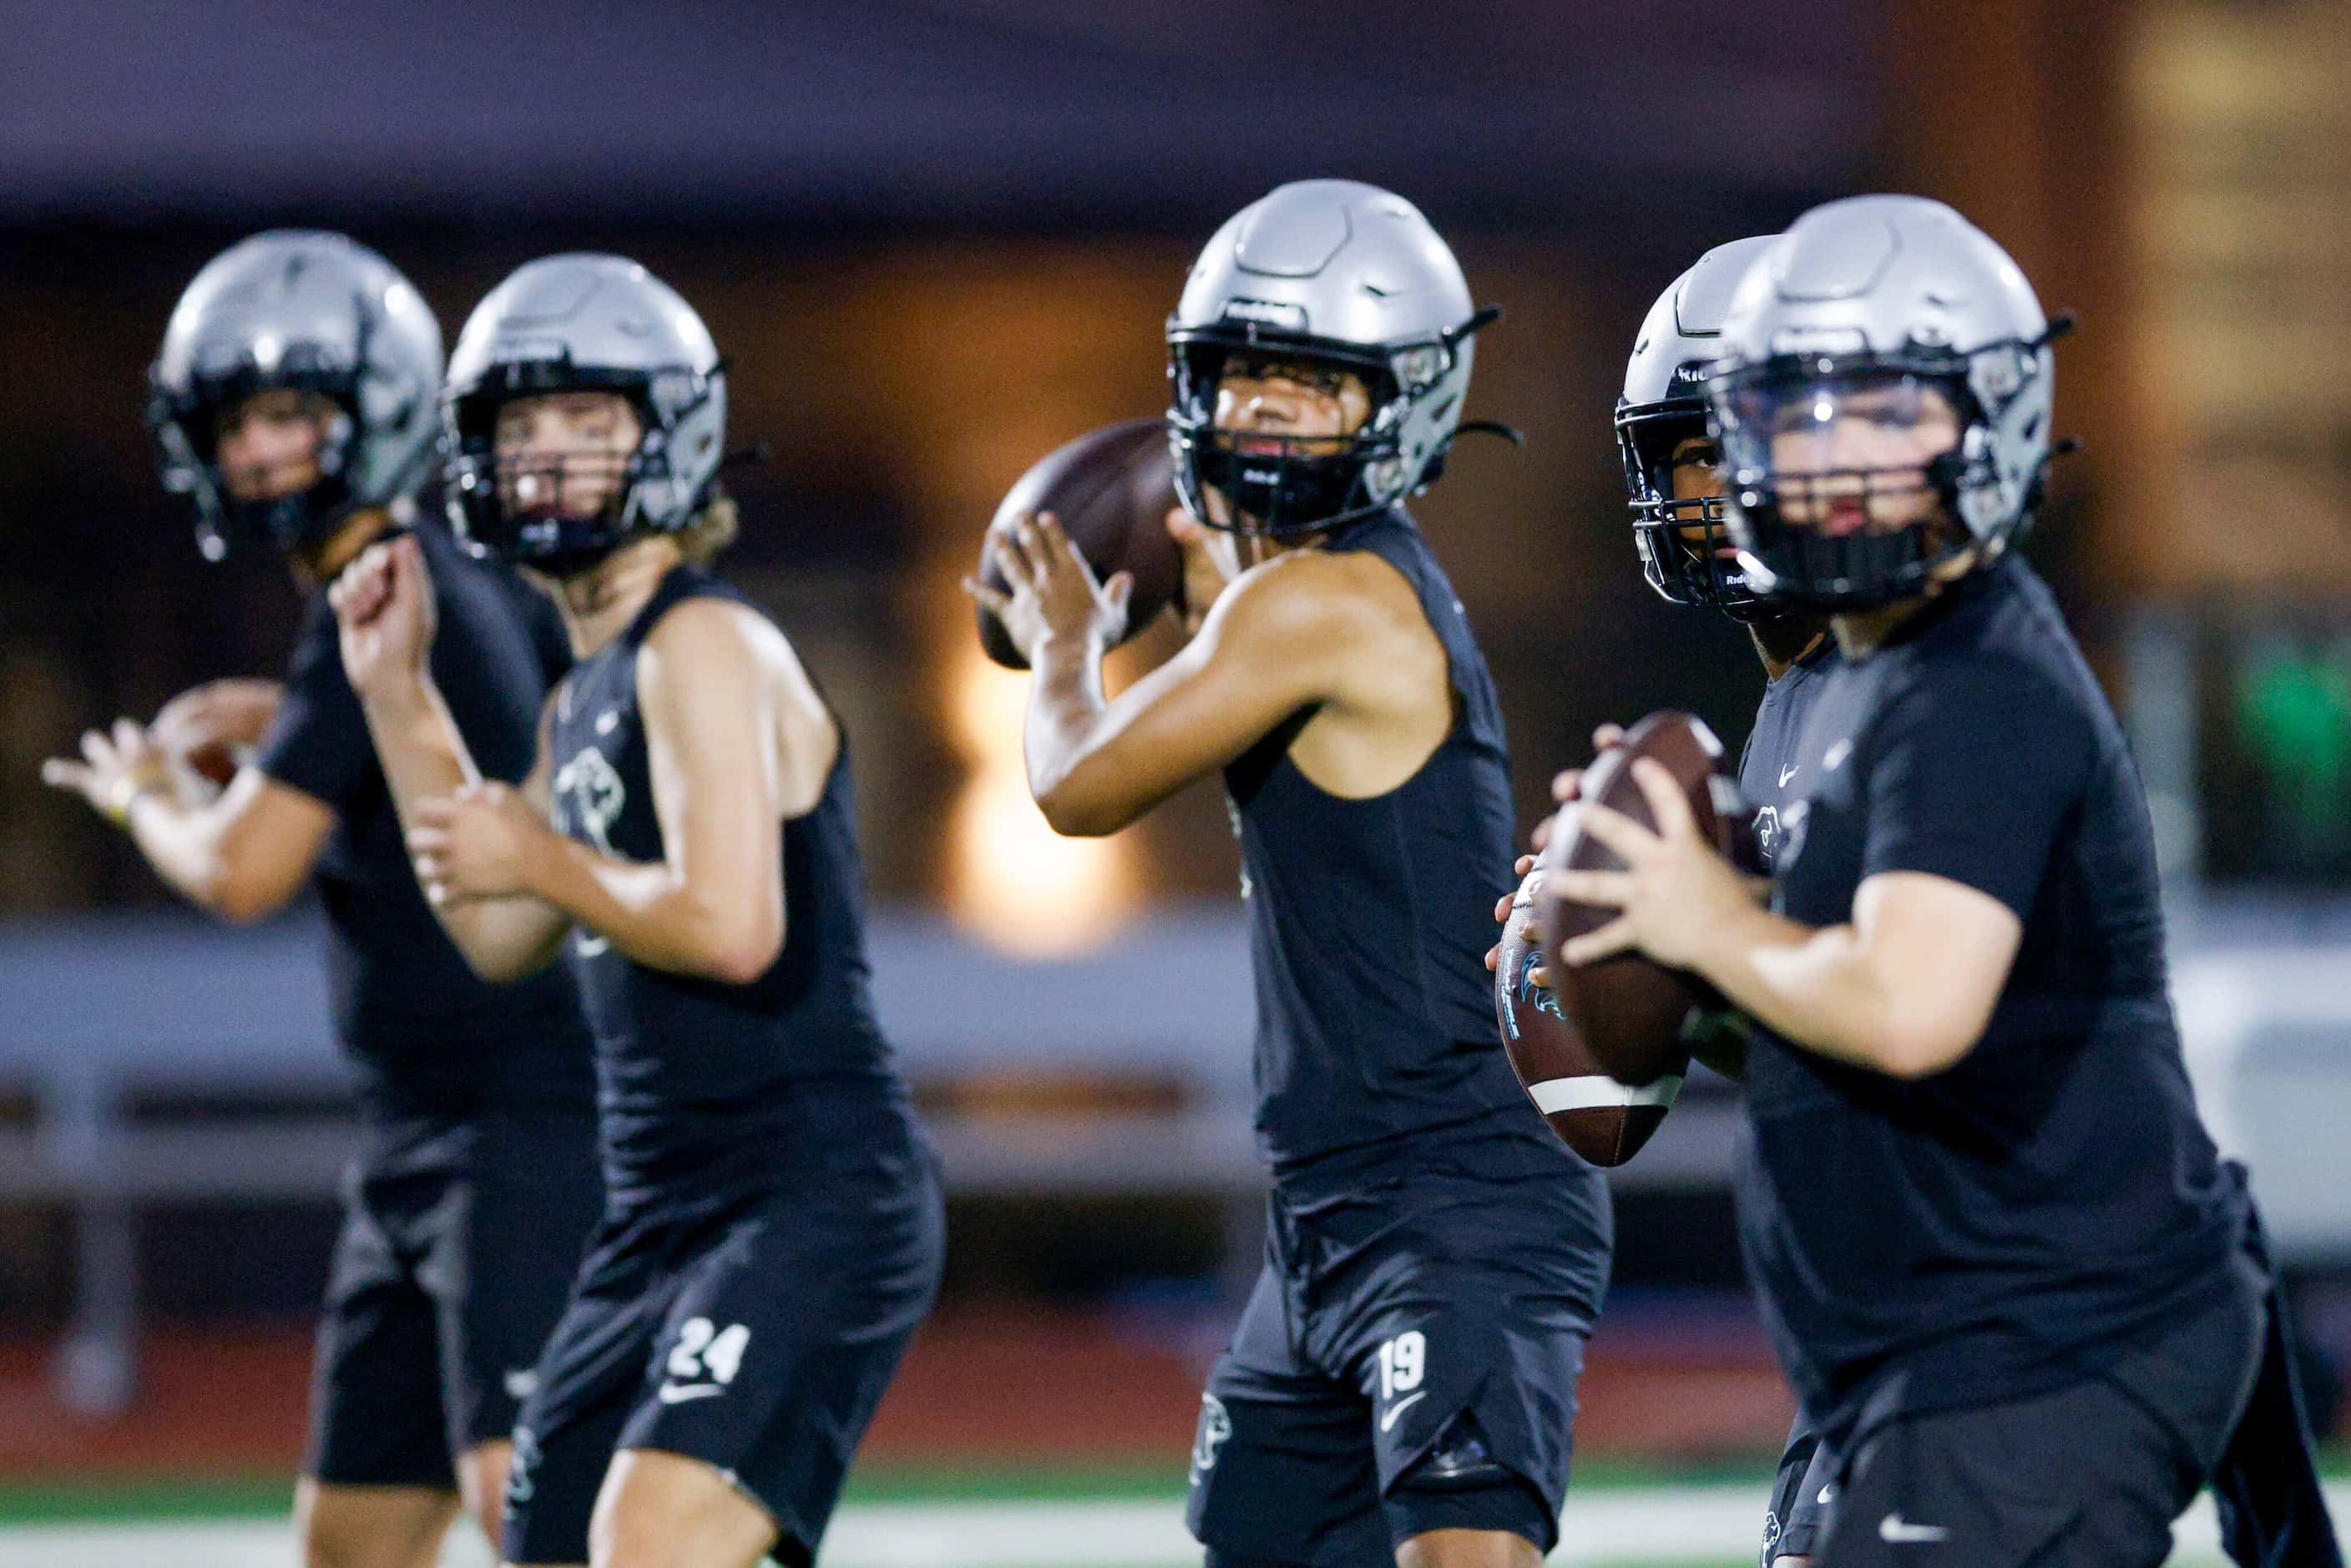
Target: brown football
1112,491
1603,1120
1636,1016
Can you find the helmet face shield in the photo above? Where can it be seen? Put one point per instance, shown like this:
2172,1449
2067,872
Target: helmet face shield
1883,389
1845,480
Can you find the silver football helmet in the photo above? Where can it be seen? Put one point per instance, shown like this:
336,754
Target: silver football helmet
1339,274
584,323
1871,309
1662,407
314,312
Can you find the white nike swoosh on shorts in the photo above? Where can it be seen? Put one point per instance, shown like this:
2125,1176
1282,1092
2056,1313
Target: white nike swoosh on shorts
1388,1421
1892,1529
675,1394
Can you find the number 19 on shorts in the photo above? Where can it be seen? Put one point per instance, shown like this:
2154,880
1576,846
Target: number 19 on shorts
1403,1362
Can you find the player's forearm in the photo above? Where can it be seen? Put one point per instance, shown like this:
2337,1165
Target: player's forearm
1817,989
184,845
1063,742
423,757
654,916
417,743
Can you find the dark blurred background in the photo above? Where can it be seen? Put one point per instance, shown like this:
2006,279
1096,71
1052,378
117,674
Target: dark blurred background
935,238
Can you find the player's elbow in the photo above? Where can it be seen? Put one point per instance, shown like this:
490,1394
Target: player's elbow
739,964
746,949
1080,799
241,896
1913,1049
496,967
1076,811
1079,820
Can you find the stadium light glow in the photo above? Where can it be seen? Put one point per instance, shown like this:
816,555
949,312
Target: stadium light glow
1014,882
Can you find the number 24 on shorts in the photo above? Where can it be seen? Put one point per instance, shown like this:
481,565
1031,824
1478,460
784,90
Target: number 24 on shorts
704,1348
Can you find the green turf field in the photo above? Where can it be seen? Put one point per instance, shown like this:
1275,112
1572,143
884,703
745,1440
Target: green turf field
1111,1517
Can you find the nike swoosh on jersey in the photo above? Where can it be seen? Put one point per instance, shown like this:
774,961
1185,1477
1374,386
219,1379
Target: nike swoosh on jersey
678,1394
1892,1528
1388,1421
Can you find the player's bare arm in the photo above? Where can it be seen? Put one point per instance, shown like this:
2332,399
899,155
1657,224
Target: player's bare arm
1906,988
1293,632
734,750
241,855
383,609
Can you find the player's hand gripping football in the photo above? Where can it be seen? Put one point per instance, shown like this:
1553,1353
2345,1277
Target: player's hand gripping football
1674,889
1210,564
206,728
383,610
1053,593
480,843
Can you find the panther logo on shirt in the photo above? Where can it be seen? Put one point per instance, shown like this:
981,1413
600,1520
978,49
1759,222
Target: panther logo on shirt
590,795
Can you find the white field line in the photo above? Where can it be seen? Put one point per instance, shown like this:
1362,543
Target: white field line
1629,1527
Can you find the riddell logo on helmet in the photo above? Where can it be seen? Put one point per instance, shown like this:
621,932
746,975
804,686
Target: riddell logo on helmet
1267,313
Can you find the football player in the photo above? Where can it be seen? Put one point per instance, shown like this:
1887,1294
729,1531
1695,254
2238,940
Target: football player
1402,1383
1674,486
294,403
2024,1337
774,1226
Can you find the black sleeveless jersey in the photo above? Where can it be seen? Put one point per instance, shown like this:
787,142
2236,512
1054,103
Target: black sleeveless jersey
428,1037
699,1079
1369,921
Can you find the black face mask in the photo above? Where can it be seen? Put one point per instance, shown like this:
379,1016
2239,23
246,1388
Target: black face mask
1303,487
1684,569
543,539
292,522
1306,484
284,523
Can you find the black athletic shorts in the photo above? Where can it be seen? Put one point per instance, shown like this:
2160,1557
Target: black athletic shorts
755,1332
1407,1361
1800,1495
460,1240
2089,1476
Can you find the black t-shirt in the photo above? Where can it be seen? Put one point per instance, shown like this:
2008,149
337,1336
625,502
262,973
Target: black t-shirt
428,1035
2021,1219
1774,769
